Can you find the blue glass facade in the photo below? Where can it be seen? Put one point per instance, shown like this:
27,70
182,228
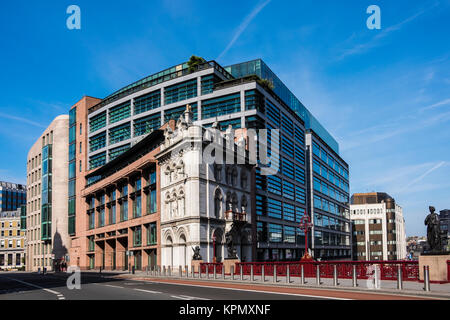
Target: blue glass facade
12,196
259,68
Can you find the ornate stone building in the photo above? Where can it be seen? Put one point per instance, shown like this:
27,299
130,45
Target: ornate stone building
205,202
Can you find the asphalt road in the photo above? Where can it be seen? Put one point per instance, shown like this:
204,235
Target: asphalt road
32,286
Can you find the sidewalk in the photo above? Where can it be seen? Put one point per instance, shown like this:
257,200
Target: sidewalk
410,288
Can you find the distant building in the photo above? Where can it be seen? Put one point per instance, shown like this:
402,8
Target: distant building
12,196
378,227
444,219
12,240
415,246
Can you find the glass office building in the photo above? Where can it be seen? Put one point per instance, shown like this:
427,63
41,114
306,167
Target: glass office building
12,196
231,96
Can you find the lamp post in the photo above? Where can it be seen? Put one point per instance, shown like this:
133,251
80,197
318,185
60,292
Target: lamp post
306,225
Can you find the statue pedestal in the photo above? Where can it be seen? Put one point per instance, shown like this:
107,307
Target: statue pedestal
227,263
195,264
438,266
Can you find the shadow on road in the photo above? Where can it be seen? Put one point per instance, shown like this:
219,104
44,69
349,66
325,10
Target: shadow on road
11,282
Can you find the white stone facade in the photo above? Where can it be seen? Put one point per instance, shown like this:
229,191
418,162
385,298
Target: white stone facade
199,200
367,212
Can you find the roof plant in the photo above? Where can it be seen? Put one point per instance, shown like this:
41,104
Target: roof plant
193,62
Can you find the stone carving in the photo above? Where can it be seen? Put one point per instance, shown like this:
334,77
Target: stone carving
229,240
433,231
196,255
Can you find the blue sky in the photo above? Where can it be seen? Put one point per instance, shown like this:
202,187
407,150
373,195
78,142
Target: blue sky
383,94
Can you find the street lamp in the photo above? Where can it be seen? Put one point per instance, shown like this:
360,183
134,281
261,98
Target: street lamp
306,225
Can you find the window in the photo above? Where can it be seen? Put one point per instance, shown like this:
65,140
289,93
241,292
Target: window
137,236
151,234
120,133
275,232
207,83
220,106
147,102
147,124
254,100
124,211
115,152
119,112
97,160
97,122
175,113
180,91
96,142
273,208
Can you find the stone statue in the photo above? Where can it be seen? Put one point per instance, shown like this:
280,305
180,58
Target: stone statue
230,244
433,231
196,255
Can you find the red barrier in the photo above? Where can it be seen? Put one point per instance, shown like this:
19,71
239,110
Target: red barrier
211,267
388,269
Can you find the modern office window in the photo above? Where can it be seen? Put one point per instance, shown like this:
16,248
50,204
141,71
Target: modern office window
137,206
207,83
115,152
101,217
273,113
180,91
92,220
151,234
288,190
119,112
274,208
97,122
147,102
97,160
288,212
274,184
220,106
275,232
124,210
112,214
289,234
254,100
175,113
97,142
287,168
120,133
137,236
145,125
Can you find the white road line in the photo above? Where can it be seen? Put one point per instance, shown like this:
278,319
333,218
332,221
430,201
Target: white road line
36,286
258,291
110,285
182,298
148,291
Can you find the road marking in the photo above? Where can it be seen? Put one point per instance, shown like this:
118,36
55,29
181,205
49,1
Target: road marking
180,297
110,285
148,291
36,286
258,291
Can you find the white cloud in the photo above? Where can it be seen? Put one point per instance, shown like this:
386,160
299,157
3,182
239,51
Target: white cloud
244,26
22,120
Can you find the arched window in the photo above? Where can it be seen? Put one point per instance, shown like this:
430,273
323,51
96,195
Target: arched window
229,203
234,202
234,177
228,175
218,203
244,204
218,172
244,178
